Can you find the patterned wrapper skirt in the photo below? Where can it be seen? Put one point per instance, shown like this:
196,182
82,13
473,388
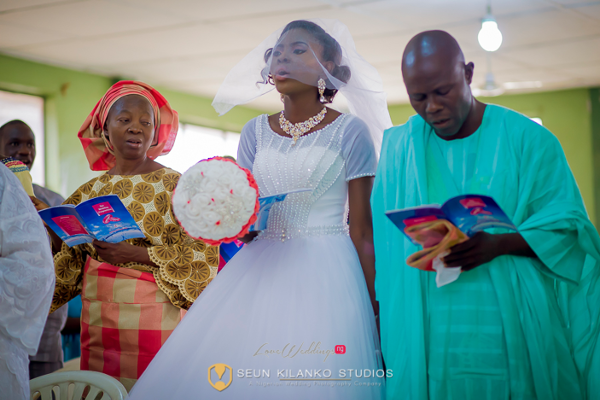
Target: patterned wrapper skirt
125,320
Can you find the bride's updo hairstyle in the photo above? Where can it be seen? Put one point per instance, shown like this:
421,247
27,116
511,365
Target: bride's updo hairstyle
332,51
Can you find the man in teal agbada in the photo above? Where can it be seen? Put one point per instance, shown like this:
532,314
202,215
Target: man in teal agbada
522,320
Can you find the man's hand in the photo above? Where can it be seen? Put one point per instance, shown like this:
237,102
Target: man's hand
481,248
39,205
120,253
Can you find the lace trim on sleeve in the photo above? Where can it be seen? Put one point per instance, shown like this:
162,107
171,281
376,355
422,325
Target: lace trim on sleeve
360,176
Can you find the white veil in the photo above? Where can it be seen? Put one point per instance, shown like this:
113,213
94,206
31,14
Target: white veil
363,91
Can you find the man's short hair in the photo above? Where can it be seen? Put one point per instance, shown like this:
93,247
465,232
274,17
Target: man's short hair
11,123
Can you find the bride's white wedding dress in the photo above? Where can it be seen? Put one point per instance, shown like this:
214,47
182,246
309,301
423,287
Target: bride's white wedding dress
286,300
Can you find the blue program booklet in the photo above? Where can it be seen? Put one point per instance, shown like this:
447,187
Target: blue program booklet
266,203
103,218
470,213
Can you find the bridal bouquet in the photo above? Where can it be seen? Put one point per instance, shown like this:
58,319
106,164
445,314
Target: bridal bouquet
216,201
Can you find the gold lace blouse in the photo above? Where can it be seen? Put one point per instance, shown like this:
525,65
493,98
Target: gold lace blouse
185,265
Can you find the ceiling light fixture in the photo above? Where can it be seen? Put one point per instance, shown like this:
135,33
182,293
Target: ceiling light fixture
489,37
490,88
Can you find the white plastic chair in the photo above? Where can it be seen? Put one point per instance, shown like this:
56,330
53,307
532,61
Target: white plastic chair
59,383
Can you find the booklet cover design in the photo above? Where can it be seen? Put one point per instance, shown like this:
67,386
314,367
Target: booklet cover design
469,213
104,218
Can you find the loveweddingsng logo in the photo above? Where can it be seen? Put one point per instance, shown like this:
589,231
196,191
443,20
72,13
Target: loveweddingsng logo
291,350
220,369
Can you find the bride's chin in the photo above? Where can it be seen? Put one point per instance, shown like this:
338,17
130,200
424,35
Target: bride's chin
283,87
293,88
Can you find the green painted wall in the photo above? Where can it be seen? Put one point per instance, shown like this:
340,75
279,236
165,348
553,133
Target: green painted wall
567,113
69,98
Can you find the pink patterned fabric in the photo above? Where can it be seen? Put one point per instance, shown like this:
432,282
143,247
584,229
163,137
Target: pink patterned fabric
125,320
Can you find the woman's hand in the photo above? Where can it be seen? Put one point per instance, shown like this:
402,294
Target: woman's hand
39,205
247,238
72,326
122,252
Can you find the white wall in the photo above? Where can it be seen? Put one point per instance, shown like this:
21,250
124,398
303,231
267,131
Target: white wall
195,143
29,109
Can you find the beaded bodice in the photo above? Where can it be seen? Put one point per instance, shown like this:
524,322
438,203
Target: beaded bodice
314,162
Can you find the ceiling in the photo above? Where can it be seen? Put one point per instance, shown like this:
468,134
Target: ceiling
190,45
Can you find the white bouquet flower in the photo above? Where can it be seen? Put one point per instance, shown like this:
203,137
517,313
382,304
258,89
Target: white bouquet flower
216,200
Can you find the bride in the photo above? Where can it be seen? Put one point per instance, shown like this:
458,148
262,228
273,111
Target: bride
292,315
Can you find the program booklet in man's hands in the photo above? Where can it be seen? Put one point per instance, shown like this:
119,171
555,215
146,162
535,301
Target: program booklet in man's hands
470,213
103,218
266,203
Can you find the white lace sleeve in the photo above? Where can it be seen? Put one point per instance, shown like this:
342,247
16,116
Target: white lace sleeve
247,146
26,267
358,150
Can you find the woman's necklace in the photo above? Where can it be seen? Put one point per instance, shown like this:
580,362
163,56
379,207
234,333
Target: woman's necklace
299,129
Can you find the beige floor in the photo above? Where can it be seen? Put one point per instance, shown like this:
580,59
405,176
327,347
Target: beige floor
71,365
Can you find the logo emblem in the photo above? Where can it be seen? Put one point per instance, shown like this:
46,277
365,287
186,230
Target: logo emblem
109,218
220,370
340,349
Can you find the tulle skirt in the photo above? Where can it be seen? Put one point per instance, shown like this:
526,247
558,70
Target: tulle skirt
282,320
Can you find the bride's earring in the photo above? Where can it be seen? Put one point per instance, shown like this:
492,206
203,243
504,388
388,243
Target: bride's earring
321,85
282,98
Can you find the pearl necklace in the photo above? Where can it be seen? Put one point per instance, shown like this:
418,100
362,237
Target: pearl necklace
299,129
